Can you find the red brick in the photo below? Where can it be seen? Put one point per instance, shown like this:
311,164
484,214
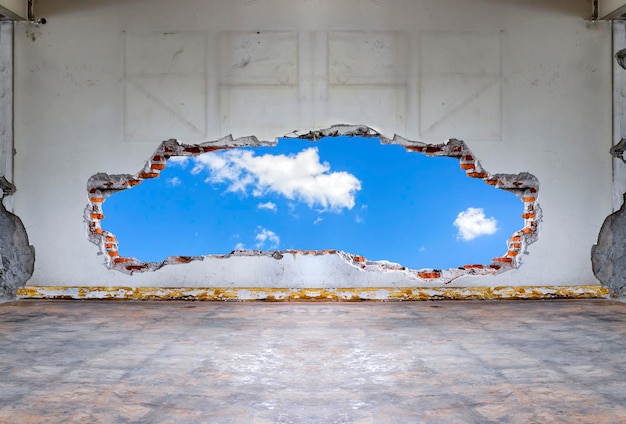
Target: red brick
192,149
136,267
503,259
146,175
122,260
429,274
477,174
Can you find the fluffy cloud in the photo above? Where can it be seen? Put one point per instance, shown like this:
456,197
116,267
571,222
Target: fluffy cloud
472,223
268,205
299,177
264,235
174,182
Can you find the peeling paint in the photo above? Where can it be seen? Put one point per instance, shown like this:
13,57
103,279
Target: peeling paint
524,185
314,294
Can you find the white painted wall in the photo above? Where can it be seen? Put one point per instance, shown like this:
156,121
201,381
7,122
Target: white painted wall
527,84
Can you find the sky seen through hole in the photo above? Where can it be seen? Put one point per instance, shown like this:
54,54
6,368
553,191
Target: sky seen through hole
345,193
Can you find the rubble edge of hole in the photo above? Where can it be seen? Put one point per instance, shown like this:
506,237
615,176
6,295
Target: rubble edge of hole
524,185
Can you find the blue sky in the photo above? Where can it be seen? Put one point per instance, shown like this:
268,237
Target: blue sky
345,193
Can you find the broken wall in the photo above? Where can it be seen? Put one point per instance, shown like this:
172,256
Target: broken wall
526,85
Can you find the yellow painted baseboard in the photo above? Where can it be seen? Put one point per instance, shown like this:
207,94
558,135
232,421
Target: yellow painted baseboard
314,294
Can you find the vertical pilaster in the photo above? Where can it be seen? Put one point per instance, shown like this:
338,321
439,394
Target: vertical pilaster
6,104
619,113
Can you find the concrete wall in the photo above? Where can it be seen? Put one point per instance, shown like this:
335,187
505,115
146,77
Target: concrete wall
526,84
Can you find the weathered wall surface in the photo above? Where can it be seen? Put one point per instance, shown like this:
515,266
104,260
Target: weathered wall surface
17,256
526,84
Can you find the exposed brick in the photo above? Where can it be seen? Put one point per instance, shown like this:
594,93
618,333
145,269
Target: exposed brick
97,216
503,259
146,175
113,253
528,215
512,253
122,260
157,158
492,182
136,267
183,259
192,149
429,274
516,238
97,199
157,166
529,199
359,259
133,183
468,157
473,266
477,174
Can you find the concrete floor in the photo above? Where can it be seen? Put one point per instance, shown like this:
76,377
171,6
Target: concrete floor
423,362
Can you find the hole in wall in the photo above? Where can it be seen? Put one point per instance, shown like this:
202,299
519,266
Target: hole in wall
339,193
351,196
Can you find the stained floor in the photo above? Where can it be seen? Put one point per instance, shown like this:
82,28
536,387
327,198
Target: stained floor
422,362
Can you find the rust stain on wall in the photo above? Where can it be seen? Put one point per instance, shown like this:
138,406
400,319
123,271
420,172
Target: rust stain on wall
524,185
313,294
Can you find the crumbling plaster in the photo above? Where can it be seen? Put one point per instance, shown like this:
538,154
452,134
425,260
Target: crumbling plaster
608,255
528,87
17,256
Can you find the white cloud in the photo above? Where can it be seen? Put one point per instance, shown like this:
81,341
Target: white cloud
318,220
264,235
180,161
174,182
299,177
267,205
472,223
240,246
359,219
